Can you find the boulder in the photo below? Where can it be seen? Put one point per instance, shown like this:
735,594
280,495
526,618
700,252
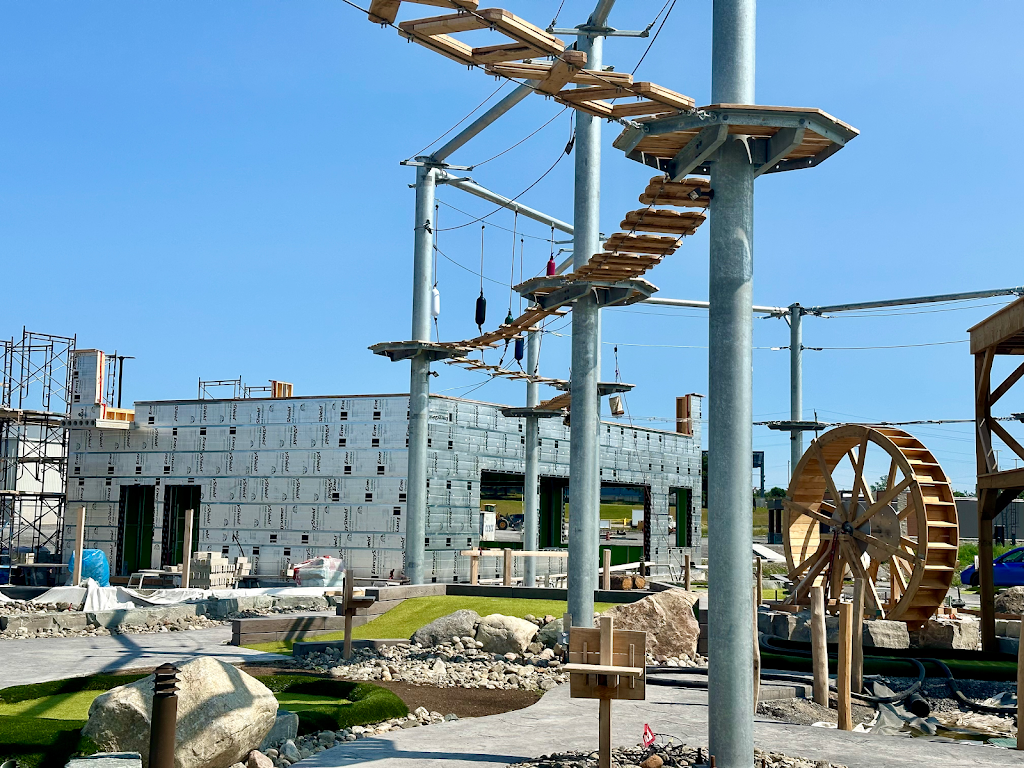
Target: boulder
444,629
550,633
1011,601
286,726
223,714
505,634
948,634
667,618
886,634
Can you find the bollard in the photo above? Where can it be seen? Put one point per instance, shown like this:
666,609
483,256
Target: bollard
163,724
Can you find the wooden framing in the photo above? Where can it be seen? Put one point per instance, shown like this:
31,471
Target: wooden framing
1000,334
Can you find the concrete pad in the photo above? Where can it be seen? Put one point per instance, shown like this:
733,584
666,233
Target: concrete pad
557,723
53,658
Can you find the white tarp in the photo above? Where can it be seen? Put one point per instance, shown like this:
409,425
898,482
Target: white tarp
99,598
760,550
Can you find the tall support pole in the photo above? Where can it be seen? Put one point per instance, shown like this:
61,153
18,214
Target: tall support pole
186,550
419,379
796,382
531,487
730,513
585,405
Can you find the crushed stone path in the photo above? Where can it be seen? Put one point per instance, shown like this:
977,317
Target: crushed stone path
557,723
38,660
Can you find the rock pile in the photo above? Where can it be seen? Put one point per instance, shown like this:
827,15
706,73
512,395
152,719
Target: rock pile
283,754
665,755
26,608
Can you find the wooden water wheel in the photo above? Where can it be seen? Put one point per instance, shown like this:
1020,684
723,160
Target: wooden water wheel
909,529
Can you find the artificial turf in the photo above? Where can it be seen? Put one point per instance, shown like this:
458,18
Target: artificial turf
405,618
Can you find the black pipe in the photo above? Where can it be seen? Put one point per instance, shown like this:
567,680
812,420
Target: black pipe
163,725
918,705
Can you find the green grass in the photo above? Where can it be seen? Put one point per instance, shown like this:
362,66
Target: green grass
61,706
404,619
323,704
41,743
608,511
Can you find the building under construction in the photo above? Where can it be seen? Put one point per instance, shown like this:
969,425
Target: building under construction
284,479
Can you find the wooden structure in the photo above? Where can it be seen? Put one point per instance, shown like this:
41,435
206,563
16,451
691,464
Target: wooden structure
349,607
474,556
605,665
1000,334
830,539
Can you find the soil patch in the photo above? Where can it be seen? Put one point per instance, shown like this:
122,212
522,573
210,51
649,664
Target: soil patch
807,712
464,702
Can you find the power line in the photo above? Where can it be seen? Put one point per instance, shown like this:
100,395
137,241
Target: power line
854,314
469,115
490,223
658,32
521,141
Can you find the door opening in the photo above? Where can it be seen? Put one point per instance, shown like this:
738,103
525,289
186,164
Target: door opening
135,529
178,498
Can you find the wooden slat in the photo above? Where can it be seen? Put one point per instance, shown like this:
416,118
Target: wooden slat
620,241
643,107
655,92
522,30
593,77
562,71
577,95
446,46
384,11
655,220
515,51
443,25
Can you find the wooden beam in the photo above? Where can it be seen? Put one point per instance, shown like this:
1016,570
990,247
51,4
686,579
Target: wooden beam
443,25
656,92
1001,390
522,30
1006,437
562,72
383,11
643,107
514,51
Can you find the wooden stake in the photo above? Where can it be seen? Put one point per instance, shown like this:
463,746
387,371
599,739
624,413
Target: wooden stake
507,581
843,669
760,582
474,569
819,650
757,648
606,576
346,607
605,726
686,574
76,577
186,550
857,672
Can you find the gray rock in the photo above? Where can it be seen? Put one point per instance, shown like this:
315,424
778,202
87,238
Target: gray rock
257,759
290,752
667,617
1010,601
550,633
443,629
223,714
286,726
505,634
886,634
945,633
108,760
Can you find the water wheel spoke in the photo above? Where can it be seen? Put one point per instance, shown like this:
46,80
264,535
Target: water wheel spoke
860,485
890,478
884,546
805,583
811,558
827,474
895,572
805,510
861,572
883,501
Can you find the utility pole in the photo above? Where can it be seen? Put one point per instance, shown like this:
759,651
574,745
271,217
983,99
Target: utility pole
585,403
531,490
730,514
796,382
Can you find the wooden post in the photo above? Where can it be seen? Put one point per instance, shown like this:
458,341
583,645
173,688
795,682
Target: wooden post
508,568
686,574
474,568
606,573
605,713
819,650
843,668
760,582
757,647
857,672
76,577
1020,687
186,550
346,606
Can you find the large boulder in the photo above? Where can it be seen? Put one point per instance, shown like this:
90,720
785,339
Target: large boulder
1011,601
947,634
550,634
458,624
223,714
667,618
885,634
505,634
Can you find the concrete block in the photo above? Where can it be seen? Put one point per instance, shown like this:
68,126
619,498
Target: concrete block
886,634
783,625
948,634
108,760
764,622
106,619
31,623
1010,645
71,620
301,603
1001,628
286,726
1012,628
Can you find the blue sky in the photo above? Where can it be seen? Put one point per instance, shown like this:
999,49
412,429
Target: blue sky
215,188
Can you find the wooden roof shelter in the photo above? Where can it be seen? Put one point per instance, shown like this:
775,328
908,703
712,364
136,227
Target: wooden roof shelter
1000,334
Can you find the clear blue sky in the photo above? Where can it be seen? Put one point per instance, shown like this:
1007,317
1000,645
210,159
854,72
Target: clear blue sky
214,188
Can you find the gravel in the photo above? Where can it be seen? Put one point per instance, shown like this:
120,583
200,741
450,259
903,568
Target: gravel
667,755
284,753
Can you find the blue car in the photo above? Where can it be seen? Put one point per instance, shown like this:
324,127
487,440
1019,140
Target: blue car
1007,570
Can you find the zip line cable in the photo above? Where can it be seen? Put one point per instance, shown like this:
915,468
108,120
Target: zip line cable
468,269
471,113
658,32
521,141
496,226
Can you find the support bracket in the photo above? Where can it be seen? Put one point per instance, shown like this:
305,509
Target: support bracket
697,151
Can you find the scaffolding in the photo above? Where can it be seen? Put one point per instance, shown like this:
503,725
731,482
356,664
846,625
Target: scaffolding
34,402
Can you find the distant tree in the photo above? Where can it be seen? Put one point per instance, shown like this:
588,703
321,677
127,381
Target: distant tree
777,493
882,484
962,494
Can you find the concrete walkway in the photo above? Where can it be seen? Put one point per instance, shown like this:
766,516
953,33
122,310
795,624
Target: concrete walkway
41,659
557,723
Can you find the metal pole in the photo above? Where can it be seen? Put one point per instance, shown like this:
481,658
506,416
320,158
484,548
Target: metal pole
796,382
531,489
76,576
1018,291
419,379
730,523
164,721
696,304
482,122
584,437
471,187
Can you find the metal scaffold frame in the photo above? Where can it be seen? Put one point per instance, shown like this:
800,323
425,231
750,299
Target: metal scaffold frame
34,402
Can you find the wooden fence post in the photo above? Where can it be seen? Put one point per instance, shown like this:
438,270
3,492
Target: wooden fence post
507,581
686,574
819,650
857,672
843,667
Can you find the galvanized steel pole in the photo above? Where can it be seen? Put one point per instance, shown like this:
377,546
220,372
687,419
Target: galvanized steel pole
585,404
419,380
730,512
796,382
531,488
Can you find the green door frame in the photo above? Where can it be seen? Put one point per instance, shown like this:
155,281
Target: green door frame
178,498
136,510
